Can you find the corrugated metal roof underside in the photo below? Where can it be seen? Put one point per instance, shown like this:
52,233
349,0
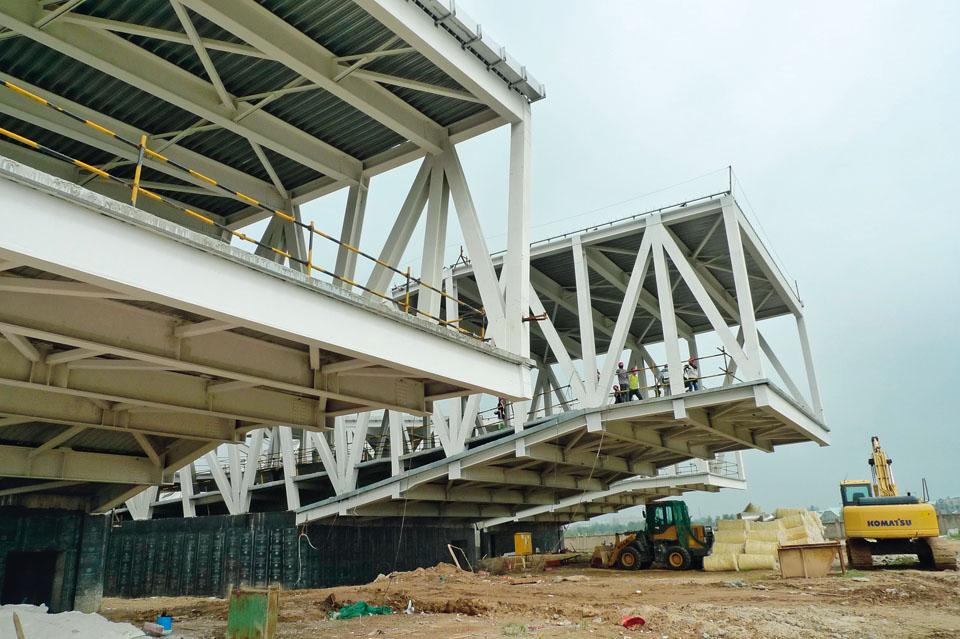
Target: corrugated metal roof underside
338,25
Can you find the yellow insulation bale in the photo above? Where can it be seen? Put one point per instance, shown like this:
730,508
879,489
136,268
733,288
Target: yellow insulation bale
783,513
765,535
792,521
813,519
733,524
730,536
776,524
726,549
756,562
797,532
760,547
720,563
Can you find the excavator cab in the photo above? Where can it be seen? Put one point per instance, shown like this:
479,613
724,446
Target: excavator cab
852,491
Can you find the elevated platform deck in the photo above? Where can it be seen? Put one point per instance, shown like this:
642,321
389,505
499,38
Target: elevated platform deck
600,455
132,345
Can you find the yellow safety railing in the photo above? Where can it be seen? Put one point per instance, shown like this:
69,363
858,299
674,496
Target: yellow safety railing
143,151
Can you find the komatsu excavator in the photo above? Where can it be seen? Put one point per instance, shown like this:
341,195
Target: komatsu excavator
879,521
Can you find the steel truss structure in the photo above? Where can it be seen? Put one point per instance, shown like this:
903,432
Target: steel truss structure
135,341
569,452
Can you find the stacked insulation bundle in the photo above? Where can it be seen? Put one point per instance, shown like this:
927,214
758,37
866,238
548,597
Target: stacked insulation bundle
800,527
740,544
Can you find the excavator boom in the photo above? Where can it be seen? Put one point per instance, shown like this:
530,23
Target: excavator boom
883,484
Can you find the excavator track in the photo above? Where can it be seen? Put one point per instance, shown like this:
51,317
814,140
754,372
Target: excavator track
859,554
944,553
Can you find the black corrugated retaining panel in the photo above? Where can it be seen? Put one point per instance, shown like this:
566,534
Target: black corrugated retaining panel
77,539
209,555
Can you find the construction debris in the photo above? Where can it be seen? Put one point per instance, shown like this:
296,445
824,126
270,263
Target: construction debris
38,623
361,609
744,605
632,621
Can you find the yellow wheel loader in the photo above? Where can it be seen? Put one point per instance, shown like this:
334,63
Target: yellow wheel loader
878,521
669,539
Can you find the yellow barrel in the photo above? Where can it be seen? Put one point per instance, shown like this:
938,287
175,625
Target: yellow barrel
523,543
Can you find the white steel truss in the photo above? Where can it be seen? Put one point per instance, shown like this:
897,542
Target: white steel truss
570,452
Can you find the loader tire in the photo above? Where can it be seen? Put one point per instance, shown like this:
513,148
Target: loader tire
678,558
629,559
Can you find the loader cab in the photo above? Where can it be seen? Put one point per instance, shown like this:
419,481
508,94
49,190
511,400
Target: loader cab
662,518
659,518
851,492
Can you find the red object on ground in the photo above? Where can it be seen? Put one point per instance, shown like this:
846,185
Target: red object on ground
632,621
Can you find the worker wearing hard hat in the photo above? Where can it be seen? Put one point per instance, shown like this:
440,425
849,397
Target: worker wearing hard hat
663,381
634,391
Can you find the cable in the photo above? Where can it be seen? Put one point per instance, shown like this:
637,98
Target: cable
299,556
780,263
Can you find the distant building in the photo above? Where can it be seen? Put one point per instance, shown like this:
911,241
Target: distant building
830,515
948,505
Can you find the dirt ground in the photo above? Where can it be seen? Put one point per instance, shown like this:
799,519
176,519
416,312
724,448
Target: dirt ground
585,602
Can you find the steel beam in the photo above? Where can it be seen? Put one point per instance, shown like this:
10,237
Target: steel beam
418,30
71,465
31,111
259,27
126,61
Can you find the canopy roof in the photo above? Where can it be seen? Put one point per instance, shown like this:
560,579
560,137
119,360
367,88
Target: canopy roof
284,100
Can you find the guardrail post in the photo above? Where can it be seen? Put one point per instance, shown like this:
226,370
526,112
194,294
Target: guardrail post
135,190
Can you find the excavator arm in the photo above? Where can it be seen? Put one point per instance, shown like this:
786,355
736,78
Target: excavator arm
883,484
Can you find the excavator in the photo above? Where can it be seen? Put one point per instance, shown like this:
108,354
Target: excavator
669,539
879,521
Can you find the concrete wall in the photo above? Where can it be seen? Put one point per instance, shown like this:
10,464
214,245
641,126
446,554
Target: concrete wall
78,542
587,543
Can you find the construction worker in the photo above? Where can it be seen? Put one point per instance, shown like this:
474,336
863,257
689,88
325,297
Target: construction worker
691,375
634,381
623,380
617,395
663,382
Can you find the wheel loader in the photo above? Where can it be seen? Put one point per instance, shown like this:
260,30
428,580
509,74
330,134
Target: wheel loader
879,521
669,539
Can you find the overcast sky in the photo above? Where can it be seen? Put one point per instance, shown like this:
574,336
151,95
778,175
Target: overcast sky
840,120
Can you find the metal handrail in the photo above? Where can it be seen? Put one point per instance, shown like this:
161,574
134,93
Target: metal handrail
136,189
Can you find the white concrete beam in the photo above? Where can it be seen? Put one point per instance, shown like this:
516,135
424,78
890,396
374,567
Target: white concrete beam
181,276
